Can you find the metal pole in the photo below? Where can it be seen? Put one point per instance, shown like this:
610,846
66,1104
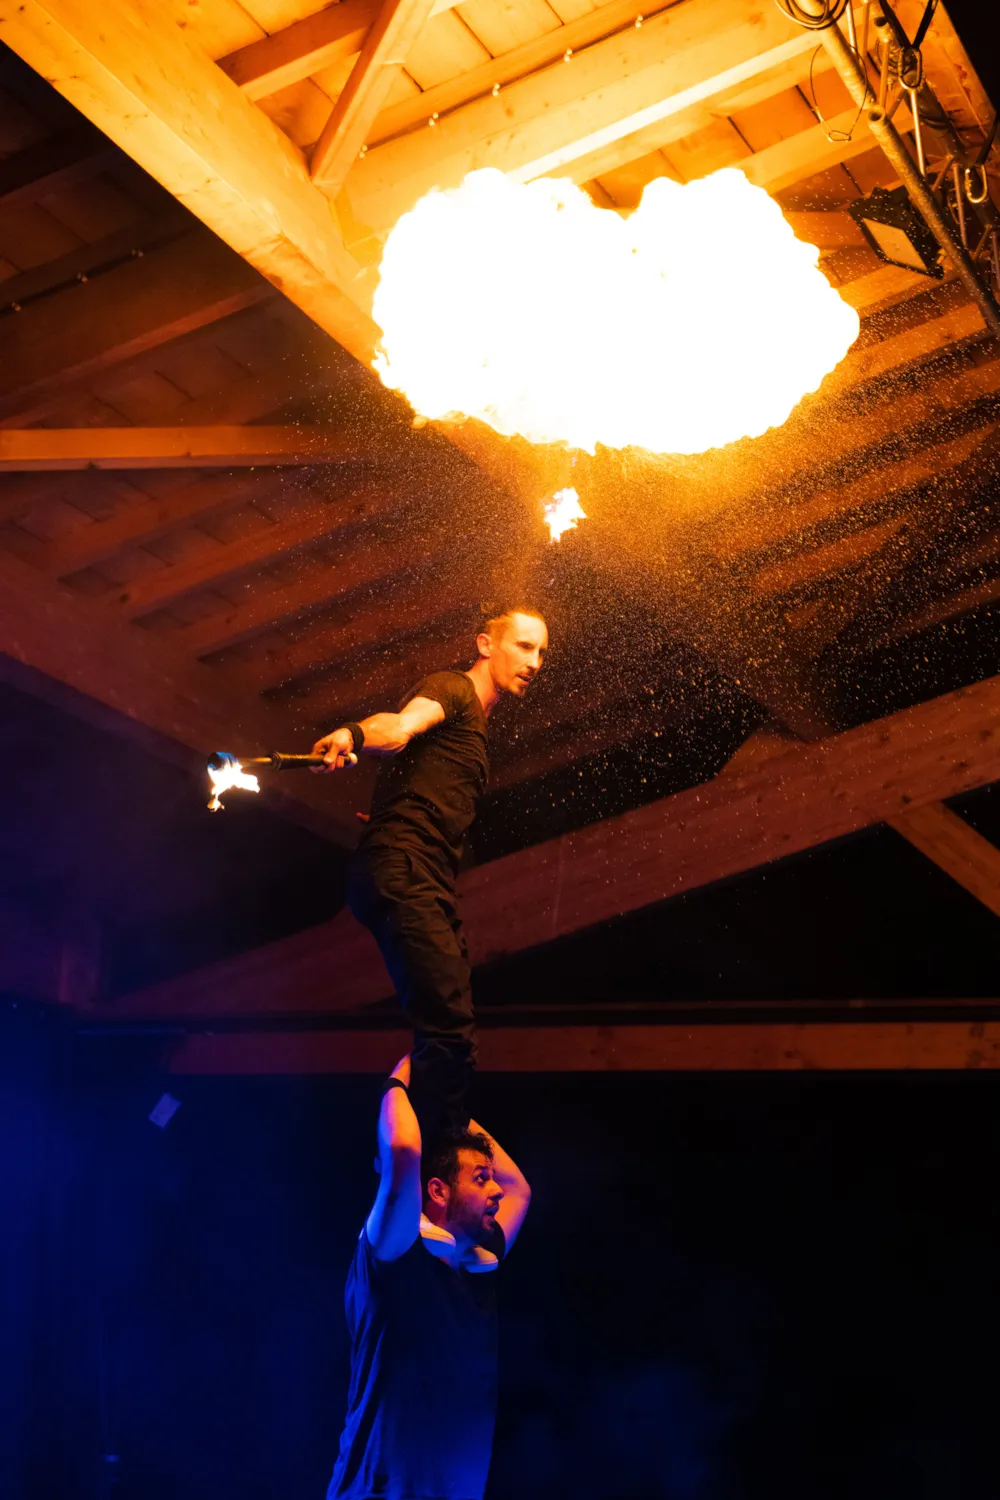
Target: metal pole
892,144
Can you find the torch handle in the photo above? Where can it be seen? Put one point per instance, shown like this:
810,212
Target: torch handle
278,761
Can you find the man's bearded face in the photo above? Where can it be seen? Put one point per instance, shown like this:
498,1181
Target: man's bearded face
473,1200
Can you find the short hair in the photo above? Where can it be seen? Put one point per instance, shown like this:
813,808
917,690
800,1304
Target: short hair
493,616
441,1159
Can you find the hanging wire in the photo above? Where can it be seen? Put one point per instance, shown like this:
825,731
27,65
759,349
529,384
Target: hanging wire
829,13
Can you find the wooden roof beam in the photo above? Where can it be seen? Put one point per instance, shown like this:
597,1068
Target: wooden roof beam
391,562
681,57
171,447
143,303
141,522
700,1047
73,652
955,847
307,46
343,517
802,798
144,81
59,162
396,28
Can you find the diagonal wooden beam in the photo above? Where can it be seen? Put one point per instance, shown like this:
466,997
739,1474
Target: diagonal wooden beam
540,124
702,1047
75,334
171,447
73,652
804,797
955,847
306,47
393,33
145,82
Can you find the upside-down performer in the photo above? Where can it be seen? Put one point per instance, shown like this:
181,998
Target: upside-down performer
421,1316
402,883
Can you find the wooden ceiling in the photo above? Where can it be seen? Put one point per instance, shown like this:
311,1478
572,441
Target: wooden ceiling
217,529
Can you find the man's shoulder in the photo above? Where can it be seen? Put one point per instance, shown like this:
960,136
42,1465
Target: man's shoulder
450,687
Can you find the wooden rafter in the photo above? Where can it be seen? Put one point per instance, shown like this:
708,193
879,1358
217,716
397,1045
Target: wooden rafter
804,797
396,28
171,447
702,1047
955,847
540,124
73,652
341,518
61,161
148,85
357,574
141,304
306,46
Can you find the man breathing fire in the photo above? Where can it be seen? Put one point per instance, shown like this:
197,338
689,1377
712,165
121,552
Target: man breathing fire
402,885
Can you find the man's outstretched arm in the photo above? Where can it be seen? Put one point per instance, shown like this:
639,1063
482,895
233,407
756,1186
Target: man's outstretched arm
394,1222
516,1191
384,734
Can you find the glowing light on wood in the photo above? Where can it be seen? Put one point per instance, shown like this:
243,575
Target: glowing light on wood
698,320
225,778
562,513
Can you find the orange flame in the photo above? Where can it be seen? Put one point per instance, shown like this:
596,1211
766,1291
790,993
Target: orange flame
697,320
562,513
226,778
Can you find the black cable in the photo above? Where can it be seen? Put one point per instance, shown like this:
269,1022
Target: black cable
829,15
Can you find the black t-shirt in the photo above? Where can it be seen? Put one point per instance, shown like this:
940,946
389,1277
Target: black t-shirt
422,1402
425,797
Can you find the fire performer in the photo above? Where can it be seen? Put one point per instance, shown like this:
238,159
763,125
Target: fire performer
423,1329
402,883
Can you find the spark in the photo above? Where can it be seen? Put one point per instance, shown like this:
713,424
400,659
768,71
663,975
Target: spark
225,777
697,320
562,513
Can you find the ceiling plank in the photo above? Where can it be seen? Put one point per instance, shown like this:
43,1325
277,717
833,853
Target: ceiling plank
387,44
498,72
541,123
955,847
172,447
705,1047
360,571
339,516
63,160
141,522
75,653
144,81
804,797
141,304
306,47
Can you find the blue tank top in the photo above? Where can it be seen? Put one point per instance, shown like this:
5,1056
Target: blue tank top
423,1393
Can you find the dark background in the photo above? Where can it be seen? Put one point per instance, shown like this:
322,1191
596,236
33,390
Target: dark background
728,1286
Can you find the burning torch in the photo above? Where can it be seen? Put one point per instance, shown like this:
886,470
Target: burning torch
226,771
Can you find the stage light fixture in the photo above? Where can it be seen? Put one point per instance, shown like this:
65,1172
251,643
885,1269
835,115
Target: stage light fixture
896,231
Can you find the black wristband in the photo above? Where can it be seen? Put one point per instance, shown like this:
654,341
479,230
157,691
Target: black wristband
357,735
395,1083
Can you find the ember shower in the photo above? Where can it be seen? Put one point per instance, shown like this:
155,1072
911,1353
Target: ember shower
697,320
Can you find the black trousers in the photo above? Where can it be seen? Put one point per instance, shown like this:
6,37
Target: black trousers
409,908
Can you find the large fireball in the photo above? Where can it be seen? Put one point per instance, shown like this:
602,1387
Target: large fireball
697,320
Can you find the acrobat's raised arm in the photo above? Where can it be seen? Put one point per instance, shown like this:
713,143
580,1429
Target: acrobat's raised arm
394,1222
516,1191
